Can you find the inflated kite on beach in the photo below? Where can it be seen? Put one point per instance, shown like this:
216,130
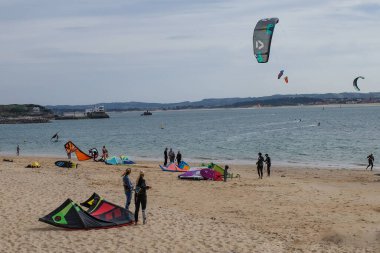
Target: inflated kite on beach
70,147
100,214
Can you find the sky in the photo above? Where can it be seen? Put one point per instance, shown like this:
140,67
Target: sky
55,52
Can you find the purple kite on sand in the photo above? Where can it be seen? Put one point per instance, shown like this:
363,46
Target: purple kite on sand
193,174
210,174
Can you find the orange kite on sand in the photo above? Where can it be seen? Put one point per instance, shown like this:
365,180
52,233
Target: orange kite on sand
70,148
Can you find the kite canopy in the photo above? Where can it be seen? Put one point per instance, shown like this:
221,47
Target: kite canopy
280,74
193,175
286,79
102,214
262,38
355,83
114,160
172,167
71,147
210,174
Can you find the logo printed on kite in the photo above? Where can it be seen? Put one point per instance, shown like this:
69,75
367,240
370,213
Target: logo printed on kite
259,44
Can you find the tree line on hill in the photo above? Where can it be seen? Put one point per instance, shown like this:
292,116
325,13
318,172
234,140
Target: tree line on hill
274,100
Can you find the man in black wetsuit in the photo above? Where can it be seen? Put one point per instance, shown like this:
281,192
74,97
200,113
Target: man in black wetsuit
371,159
260,165
171,156
225,174
166,157
268,163
141,197
179,157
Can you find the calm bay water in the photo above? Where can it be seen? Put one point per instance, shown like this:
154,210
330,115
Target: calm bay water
290,135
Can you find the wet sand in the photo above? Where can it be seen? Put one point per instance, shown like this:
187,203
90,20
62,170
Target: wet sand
295,210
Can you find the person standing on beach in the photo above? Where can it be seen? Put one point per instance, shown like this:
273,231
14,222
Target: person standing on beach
166,157
18,150
128,187
171,156
179,157
371,159
141,197
260,165
104,153
268,163
225,174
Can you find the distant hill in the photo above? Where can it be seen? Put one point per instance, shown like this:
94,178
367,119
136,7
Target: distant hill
274,100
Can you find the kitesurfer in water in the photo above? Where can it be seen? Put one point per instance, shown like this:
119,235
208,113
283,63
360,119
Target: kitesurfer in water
128,187
166,157
179,157
18,150
371,159
260,165
141,197
268,163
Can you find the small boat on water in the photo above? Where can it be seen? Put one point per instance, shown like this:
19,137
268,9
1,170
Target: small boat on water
146,113
98,112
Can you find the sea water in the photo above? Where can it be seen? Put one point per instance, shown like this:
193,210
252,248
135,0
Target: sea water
290,135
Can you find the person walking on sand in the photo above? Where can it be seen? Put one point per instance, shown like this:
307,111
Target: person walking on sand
260,165
179,157
171,156
166,157
371,159
128,187
18,150
104,153
268,163
141,197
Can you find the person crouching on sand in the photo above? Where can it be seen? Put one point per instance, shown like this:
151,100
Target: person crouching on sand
128,187
141,197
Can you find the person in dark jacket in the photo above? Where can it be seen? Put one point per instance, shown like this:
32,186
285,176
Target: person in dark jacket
225,174
141,197
166,157
371,159
260,165
128,187
179,157
268,163
171,156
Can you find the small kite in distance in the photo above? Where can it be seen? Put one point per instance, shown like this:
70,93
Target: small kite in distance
55,137
280,74
356,82
286,79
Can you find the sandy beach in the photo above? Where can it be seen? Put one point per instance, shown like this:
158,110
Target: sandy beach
295,210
